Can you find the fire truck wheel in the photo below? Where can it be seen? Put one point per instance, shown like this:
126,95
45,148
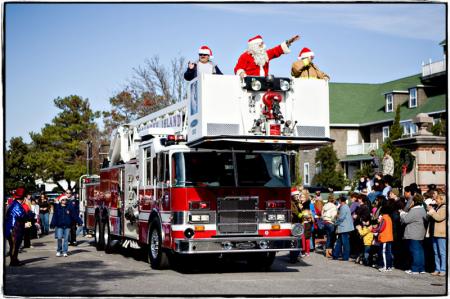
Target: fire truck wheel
98,236
107,239
157,257
261,260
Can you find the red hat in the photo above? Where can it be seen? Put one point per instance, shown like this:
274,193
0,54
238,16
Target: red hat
255,40
205,50
294,191
19,193
305,52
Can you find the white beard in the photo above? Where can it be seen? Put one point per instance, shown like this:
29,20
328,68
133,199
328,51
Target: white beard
259,54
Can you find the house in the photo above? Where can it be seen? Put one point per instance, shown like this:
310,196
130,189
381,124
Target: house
361,114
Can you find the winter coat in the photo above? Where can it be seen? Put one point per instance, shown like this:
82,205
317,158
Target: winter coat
310,71
415,223
191,74
246,62
64,216
329,212
344,220
385,229
438,223
75,204
366,233
15,216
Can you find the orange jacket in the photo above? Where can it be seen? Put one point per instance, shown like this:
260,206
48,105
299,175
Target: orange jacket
386,234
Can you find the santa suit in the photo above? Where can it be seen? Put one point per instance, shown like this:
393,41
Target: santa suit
247,64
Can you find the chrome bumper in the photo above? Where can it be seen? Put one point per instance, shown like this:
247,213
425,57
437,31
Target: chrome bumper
236,245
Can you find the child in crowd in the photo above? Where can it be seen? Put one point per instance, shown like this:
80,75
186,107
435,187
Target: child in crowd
308,224
385,237
365,231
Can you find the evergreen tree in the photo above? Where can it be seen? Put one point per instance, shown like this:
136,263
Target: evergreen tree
329,176
395,132
17,171
59,150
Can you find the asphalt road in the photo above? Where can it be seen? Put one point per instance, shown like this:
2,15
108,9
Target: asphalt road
88,272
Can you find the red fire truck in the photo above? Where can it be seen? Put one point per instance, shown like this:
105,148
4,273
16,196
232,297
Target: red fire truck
209,174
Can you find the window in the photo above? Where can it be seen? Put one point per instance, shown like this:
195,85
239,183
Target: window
306,173
147,167
409,128
217,169
389,102
318,167
385,133
413,98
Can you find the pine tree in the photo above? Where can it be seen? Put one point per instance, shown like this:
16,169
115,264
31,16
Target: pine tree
329,176
59,151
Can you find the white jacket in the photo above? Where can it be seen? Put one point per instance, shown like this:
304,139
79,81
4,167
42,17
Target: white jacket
329,212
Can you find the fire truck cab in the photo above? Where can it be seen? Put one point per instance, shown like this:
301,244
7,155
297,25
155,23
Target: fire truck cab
210,174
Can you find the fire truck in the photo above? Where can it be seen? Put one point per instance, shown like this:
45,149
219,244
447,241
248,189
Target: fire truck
210,174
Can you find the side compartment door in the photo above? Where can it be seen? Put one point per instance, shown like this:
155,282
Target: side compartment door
131,202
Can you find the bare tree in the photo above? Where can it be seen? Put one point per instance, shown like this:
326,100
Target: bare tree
152,87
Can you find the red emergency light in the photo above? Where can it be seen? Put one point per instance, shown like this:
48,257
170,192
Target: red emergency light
199,205
275,204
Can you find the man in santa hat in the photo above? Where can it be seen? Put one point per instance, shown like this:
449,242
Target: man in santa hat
15,223
204,65
255,61
305,68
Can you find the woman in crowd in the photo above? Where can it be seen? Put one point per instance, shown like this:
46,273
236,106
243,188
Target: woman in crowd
44,210
415,233
437,229
329,213
36,227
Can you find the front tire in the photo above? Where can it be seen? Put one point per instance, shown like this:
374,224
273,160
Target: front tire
157,257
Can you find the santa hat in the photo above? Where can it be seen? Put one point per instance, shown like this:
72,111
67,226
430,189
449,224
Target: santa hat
205,50
294,191
305,53
255,40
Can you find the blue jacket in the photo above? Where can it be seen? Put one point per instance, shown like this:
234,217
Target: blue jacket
64,216
75,204
344,220
14,216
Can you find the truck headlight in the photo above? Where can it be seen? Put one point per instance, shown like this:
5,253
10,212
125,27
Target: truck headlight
276,217
256,85
198,218
271,217
281,217
284,85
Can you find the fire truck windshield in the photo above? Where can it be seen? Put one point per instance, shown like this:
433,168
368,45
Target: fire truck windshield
223,169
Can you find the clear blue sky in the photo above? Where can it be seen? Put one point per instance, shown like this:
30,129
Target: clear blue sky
57,50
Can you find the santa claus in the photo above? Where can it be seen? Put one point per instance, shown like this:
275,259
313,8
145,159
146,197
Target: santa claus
255,61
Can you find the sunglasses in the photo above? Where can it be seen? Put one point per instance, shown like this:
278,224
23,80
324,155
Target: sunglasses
203,55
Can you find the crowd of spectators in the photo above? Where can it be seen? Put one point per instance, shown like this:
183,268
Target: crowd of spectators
376,225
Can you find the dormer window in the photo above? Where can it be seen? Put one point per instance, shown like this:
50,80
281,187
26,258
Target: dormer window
389,102
413,98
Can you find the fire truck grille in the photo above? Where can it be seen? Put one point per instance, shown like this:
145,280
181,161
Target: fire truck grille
237,215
